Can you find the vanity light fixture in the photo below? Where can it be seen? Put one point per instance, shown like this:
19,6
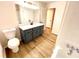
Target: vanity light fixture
27,5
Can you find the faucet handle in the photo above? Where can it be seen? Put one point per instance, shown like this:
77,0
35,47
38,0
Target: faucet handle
72,48
77,49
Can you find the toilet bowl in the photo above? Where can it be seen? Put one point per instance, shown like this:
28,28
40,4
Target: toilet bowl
13,42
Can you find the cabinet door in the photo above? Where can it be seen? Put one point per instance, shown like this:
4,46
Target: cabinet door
34,32
27,35
37,31
41,30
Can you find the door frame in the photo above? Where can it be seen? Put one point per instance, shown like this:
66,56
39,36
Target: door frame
53,16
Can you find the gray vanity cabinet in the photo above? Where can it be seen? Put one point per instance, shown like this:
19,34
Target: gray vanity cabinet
29,34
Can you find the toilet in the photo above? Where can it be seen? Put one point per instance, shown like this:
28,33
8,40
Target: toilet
13,42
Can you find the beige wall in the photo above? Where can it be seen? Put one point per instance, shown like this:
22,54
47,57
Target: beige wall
69,33
8,18
60,7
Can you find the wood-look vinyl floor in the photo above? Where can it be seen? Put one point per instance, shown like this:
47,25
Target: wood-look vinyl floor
41,47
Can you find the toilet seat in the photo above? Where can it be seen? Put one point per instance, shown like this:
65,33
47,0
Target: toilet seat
13,43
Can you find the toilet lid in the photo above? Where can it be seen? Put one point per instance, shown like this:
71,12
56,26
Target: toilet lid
13,42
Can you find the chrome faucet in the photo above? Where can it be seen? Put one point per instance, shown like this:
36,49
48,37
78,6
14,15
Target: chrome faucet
71,49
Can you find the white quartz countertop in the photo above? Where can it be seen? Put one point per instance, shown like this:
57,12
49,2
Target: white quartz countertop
25,27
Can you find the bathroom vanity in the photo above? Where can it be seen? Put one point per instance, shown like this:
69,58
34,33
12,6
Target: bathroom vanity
30,32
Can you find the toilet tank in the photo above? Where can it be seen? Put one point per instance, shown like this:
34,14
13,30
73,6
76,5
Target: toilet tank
9,33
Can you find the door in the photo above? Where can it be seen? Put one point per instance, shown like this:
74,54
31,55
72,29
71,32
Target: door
50,17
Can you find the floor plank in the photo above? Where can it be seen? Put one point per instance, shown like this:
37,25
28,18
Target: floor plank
41,47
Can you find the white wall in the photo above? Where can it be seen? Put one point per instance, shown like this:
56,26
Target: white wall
43,13
69,33
40,14
60,7
36,15
26,14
